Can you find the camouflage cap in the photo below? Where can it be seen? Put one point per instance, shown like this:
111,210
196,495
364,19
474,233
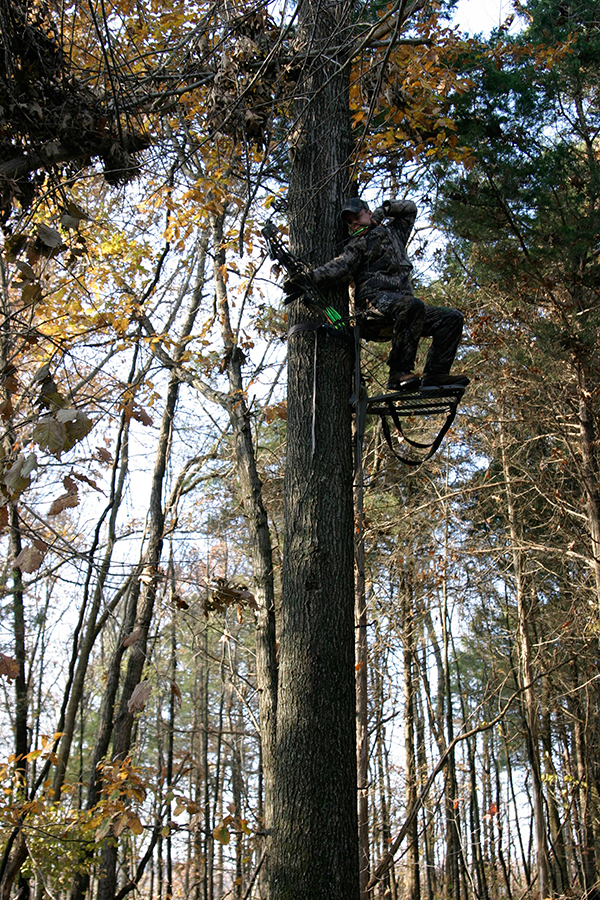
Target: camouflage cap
353,206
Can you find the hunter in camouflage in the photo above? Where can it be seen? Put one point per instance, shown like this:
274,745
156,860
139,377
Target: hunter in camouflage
375,258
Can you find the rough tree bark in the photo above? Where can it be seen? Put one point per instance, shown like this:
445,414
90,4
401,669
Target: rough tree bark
314,851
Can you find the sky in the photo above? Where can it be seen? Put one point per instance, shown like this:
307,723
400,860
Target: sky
480,16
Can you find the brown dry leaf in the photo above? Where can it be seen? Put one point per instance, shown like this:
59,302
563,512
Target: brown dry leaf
225,594
134,823
40,544
9,667
139,698
276,411
104,455
69,485
6,409
175,690
3,516
65,501
77,429
11,382
133,638
135,412
29,560
142,416
89,481
179,602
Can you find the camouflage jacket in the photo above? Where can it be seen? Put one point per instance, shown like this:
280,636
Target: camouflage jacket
376,258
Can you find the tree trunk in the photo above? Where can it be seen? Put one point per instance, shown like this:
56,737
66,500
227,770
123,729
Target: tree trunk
589,471
137,654
587,837
558,869
259,535
413,881
315,848
527,676
361,665
21,703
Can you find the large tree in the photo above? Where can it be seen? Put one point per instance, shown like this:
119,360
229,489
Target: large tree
314,852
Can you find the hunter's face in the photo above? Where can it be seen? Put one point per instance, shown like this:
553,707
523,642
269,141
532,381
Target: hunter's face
359,220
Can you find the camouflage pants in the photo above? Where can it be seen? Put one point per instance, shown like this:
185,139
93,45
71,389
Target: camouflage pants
412,319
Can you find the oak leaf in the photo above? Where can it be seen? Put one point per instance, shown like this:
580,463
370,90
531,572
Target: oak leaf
89,481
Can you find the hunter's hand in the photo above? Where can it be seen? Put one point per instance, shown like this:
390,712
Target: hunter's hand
297,284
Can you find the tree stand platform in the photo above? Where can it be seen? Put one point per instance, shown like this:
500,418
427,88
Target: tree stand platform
396,407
